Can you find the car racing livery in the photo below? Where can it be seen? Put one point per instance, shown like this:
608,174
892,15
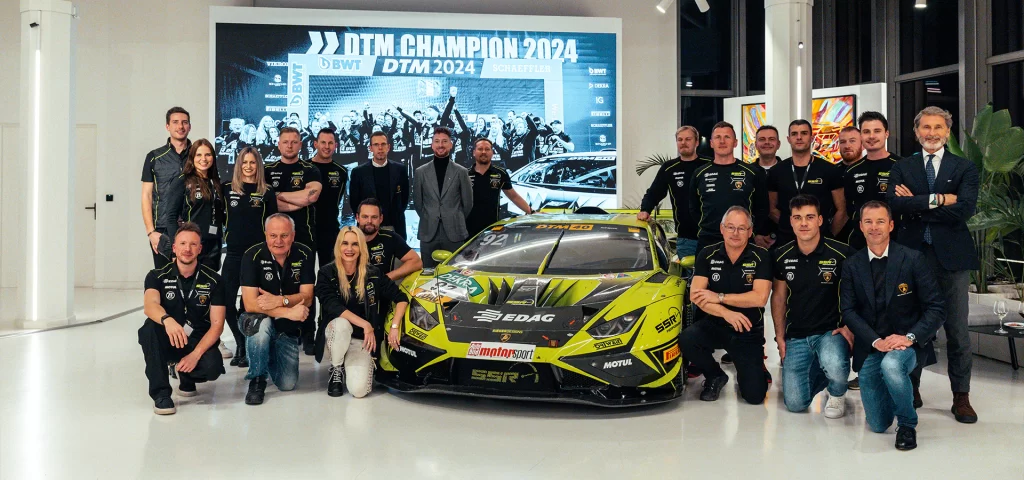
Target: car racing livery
573,308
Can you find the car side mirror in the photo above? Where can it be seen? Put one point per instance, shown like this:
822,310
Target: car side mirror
677,267
442,255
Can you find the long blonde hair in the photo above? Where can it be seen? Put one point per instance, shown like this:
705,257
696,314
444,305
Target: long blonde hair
346,283
236,177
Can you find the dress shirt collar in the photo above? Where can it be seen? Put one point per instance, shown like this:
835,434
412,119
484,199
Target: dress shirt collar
872,256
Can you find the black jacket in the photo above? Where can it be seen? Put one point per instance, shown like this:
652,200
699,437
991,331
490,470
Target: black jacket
953,244
914,306
361,187
381,293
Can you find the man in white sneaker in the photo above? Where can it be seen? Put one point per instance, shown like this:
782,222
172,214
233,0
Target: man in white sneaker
814,345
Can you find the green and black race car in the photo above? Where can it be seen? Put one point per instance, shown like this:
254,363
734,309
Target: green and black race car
570,308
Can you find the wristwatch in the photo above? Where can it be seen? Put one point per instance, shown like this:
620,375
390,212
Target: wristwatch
912,338
721,298
286,302
394,326
165,317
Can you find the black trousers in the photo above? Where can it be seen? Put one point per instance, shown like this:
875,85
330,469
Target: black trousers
160,260
158,352
308,328
700,340
210,256
231,274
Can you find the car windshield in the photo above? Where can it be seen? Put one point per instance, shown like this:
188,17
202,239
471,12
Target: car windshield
570,170
579,249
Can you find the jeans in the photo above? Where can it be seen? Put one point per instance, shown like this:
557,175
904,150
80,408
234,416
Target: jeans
273,353
686,247
886,391
812,364
340,349
700,340
158,352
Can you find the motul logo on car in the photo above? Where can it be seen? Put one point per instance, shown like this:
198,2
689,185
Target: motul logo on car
497,316
509,352
618,363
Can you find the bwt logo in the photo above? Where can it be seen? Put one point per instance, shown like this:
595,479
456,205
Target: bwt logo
296,81
339,63
597,71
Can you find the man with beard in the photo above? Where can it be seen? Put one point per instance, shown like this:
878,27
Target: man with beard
558,141
383,180
521,142
803,173
161,185
334,177
936,192
487,181
385,247
443,199
298,186
673,178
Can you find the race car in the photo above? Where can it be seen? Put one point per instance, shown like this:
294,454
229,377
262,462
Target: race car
571,308
567,180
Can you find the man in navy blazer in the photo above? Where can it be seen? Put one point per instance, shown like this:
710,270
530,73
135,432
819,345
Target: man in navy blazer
936,193
891,302
384,180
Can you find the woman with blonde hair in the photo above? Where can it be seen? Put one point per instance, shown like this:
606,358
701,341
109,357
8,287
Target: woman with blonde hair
249,201
353,294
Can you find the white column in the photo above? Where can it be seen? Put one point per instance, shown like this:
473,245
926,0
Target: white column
47,291
787,35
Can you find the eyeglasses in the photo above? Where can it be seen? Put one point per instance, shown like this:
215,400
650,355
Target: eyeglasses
734,229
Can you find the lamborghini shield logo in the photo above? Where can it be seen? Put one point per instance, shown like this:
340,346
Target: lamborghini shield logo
506,337
738,184
202,299
296,182
903,288
750,278
883,186
827,276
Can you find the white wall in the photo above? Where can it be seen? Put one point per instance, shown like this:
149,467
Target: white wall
136,59
870,97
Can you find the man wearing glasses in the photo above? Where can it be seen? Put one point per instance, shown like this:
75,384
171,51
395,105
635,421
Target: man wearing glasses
731,283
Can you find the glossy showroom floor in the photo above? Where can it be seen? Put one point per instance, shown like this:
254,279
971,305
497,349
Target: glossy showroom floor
73,405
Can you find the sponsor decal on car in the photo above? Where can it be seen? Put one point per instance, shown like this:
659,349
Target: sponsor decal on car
407,351
508,352
673,320
472,287
608,344
493,376
488,315
565,226
417,333
670,354
625,362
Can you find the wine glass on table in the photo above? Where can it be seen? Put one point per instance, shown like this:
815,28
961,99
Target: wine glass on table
999,308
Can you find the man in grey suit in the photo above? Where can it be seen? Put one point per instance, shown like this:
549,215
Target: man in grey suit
443,198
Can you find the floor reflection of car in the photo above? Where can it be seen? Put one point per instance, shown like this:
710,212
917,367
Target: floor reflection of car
568,180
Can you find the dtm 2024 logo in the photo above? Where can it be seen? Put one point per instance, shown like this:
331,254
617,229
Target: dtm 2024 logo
346,64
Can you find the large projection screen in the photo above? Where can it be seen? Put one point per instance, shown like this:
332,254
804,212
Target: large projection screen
545,89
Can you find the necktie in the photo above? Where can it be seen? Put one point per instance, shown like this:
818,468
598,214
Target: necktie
929,170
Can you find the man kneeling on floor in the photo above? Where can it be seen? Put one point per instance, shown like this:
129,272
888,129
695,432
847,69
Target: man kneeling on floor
277,281
731,283
891,301
813,345
184,306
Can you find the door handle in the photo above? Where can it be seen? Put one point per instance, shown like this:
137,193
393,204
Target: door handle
93,208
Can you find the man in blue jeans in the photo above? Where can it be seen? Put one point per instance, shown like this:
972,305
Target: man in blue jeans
277,281
813,343
892,303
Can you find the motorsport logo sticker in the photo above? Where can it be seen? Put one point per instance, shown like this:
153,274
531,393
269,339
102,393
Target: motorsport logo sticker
458,279
507,352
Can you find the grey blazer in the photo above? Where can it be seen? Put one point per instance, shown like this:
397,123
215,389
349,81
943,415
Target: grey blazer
446,209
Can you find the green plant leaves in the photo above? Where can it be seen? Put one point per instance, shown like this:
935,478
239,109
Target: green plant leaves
655,160
1005,151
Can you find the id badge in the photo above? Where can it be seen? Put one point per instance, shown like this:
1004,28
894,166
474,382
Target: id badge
188,329
213,229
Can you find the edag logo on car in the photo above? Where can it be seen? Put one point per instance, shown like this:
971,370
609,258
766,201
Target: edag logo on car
508,352
489,315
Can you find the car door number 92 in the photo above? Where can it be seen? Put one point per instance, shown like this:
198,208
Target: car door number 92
494,240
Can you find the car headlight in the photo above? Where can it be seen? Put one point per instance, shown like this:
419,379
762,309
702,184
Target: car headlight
420,317
616,326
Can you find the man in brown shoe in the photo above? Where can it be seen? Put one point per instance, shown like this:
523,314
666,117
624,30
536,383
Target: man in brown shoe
936,193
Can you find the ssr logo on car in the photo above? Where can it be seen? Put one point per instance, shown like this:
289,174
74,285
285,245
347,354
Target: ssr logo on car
669,322
503,377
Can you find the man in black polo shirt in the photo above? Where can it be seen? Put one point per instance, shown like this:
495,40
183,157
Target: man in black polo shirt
805,173
384,247
813,344
161,185
766,142
731,283
488,183
673,178
298,186
333,178
868,178
184,306
724,183
277,281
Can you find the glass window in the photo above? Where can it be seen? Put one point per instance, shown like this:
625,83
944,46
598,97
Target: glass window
1008,90
755,45
1007,26
942,91
703,113
929,37
853,42
705,47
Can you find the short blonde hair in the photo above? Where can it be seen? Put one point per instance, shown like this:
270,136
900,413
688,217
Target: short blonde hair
688,128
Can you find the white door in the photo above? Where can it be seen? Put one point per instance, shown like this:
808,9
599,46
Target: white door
84,159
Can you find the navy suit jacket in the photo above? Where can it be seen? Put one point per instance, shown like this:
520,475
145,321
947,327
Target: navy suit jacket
362,186
914,303
953,244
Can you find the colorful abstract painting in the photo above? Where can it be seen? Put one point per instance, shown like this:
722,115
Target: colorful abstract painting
831,114
753,117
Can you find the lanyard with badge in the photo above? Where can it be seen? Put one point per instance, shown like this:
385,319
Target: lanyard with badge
185,298
800,183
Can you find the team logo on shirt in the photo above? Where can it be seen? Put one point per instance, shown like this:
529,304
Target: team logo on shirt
256,201
495,182
827,270
377,258
199,195
371,294
883,184
296,273
169,295
738,184
715,277
234,203
860,188
296,182
203,299
679,183
748,275
827,276
269,276
903,288
790,276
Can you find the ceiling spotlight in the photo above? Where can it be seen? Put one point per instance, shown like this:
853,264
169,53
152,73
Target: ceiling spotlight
920,4
800,45
663,6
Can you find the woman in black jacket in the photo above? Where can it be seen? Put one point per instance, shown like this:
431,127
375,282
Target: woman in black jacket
202,203
356,297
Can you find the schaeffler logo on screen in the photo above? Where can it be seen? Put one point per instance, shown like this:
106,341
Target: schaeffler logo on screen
509,352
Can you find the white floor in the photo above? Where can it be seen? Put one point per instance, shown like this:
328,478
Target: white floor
73,405
90,305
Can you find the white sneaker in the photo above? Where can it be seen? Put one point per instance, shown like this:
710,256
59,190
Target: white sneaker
836,407
225,352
